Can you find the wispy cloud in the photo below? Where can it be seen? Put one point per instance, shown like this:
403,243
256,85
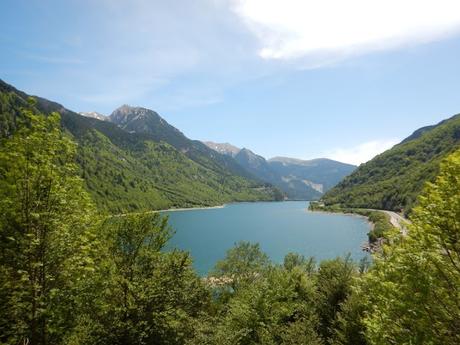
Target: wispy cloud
362,152
293,29
118,52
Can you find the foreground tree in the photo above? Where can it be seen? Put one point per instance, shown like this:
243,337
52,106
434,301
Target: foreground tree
334,281
142,294
414,288
297,302
243,264
45,233
278,307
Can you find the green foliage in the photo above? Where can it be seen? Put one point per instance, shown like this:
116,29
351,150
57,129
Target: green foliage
348,327
415,283
10,111
144,295
394,179
243,264
46,233
294,303
69,277
334,280
277,308
124,172
381,224
127,172
293,260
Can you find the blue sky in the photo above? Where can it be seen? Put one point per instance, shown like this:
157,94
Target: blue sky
300,78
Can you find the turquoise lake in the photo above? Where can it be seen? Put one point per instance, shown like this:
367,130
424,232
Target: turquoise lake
279,228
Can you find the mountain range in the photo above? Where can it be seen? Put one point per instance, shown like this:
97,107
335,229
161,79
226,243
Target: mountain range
134,160
298,179
394,179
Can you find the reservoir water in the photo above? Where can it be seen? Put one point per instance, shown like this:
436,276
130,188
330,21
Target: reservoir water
279,228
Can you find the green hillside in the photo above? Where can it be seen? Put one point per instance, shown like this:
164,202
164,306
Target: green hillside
393,179
148,123
127,171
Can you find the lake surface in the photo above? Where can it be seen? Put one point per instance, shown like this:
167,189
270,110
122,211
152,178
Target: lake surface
279,228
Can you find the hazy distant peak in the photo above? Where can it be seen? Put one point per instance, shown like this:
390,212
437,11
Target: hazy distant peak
246,150
294,161
250,157
310,162
223,148
286,160
94,115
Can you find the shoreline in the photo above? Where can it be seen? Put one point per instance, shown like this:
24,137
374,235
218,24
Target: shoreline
222,206
343,214
201,207
191,208
366,246
171,210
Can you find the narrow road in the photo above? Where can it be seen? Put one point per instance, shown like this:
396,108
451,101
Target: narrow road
397,221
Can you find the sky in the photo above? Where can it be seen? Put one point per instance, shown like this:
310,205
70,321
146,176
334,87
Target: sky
342,79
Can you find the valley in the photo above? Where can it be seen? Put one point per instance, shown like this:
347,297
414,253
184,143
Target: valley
149,223
229,172
134,160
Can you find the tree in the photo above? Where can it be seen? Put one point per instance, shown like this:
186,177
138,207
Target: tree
348,327
277,308
46,232
144,295
334,283
243,264
414,287
293,260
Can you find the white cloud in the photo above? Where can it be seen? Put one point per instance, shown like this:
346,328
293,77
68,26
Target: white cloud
290,29
362,152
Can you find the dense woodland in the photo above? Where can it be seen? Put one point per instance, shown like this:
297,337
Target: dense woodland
394,179
69,275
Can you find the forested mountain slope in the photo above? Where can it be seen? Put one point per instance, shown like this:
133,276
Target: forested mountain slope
393,179
132,170
148,122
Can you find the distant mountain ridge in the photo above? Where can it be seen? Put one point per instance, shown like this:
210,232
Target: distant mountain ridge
394,179
141,162
224,148
94,115
299,179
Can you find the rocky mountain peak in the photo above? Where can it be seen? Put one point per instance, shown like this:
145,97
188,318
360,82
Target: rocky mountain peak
223,148
94,115
126,113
